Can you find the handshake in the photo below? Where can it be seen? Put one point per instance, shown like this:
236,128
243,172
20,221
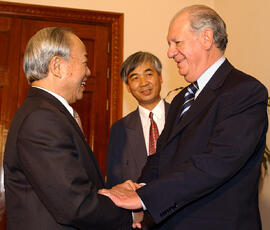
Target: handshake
124,196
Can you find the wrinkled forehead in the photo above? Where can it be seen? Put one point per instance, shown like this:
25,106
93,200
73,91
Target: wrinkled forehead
178,25
180,19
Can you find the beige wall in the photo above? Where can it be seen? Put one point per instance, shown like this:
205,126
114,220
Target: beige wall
145,28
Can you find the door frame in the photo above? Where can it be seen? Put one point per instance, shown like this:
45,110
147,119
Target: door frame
115,48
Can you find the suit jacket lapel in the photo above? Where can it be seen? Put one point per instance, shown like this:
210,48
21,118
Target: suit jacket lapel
207,95
170,114
167,106
136,138
35,92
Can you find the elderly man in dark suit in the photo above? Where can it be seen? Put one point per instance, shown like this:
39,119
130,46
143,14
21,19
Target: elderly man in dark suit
51,175
207,166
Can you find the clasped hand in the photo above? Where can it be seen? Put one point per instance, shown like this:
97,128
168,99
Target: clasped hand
124,195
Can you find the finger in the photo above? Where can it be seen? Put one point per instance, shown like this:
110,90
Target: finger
101,191
137,186
131,184
137,225
104,192
123,186
110,195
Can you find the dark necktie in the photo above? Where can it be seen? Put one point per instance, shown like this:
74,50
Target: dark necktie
153,135
189,97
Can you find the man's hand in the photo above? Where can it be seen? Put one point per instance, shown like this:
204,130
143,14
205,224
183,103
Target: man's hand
124,195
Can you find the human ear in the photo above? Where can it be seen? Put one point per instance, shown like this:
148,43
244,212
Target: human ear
55,66
207,37
160,79
128,88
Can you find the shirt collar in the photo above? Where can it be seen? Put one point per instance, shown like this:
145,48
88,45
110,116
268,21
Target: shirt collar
207,75
60,98
157,111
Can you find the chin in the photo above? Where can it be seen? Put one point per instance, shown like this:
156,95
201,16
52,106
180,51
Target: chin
79,95
182,72
79,98
187,79
147,98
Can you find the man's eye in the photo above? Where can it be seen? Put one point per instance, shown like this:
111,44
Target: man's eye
134,78
177,43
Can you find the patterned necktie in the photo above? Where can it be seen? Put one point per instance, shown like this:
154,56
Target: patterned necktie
153,135
189,97
77,119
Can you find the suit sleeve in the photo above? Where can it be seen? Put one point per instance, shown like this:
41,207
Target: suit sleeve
150,170
114,157
237,137
52,164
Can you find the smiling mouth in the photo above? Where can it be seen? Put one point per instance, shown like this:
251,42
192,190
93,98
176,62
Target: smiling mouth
146,92
180,61
83,83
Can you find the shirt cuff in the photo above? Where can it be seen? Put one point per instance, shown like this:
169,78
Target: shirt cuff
144,208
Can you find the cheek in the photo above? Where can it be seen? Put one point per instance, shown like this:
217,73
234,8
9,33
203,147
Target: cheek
133,87
158,86
133,91
182,49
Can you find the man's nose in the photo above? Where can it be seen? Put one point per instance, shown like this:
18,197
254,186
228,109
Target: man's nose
172,51
143,80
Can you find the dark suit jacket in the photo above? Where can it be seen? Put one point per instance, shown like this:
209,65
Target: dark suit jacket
127,152
207,166
51,175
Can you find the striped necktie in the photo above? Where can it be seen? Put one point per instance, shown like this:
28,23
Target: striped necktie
189,97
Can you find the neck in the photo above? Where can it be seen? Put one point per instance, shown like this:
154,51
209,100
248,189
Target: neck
150,106
50,86
213,56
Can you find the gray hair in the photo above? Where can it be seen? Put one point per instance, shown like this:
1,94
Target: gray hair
134,60
202,17
42,47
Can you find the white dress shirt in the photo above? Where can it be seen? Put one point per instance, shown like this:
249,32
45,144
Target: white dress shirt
208,74
158,116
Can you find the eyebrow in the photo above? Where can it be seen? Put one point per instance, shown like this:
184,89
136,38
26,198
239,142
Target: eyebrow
146,70
131,75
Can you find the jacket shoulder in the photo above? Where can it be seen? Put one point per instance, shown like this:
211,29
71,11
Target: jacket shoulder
126,119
